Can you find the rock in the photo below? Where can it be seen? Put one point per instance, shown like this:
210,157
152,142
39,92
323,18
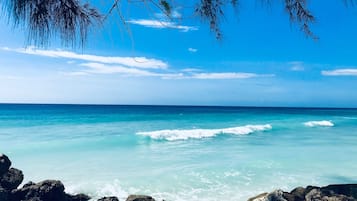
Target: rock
298,194
349,190
313,195
78,197
276,196
4,194
109,199
338,198
49,190
140,198
11,179
5,164
260,197
343,192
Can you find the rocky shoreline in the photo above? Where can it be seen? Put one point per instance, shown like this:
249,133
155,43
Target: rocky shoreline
48,190
337,192
53,190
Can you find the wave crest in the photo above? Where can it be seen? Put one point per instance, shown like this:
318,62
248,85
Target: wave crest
172,135
319,123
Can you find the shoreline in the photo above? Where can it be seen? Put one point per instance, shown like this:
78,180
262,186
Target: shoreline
54,190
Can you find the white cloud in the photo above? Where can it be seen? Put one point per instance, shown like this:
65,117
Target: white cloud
191,70
297,66
219,76
99,68
193,50
223,75
174,14
130,66
158,24
340,72
138,62
71,62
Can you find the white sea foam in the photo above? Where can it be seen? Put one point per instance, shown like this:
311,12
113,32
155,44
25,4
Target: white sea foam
172,135
349,117
324,123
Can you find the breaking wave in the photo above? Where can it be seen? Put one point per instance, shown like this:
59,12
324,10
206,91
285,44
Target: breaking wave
172,135
319,123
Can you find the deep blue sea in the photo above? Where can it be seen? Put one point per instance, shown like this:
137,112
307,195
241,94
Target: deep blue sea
180,153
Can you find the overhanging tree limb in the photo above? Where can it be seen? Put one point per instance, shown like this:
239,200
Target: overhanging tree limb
71,20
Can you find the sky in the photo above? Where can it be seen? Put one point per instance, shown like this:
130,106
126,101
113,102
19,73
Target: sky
262,60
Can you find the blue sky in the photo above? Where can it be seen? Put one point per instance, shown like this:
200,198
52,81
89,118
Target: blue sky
262,60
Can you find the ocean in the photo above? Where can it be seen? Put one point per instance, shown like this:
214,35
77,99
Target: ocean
180,153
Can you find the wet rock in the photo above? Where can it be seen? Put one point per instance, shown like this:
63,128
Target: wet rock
49,190
11,179
109,199
313,195
260,197
343,192
349,190
5,164
4,194
276,196
298,194
140,198
78,197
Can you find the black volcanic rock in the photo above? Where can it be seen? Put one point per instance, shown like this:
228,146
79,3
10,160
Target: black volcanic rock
342,192
344,189
5,164
109,199
49,190
298,194
78,197
140,198
11,179
4,194
276,196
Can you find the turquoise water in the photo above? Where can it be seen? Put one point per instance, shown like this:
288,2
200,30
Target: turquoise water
180,153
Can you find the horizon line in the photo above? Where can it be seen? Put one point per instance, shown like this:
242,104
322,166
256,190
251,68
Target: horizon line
179,105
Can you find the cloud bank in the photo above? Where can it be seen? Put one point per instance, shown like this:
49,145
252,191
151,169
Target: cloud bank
137,62
340,72
130,66
158,24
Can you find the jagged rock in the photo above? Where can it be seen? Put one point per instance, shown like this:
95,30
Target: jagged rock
5,164
313,195
109,199
276,195
11,179
260,197
4,194
49,190
342,192
78,197
324,195
140,198
349,190
298,194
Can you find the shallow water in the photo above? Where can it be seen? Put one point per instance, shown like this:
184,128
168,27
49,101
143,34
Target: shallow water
180,153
